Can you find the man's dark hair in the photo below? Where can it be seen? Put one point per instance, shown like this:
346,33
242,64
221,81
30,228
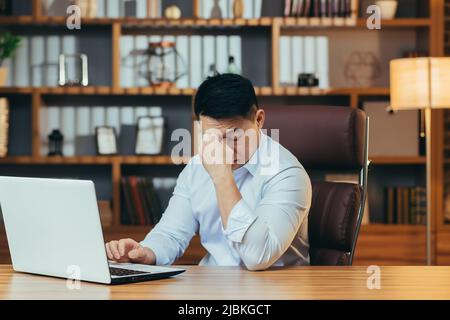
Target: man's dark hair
225,96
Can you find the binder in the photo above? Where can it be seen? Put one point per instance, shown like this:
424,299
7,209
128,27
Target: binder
257,8
195,65
182,45
97,117
21,64
170,60
209,54
322,55
285,60
310,55
113,118
141,9
248,9
112,8
235,50
298,63
101,8
70,46
52,43
140,44
37,61
126,65
68,130
221,54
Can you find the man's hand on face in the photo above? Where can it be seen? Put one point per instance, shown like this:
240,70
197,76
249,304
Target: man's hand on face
217,157
128,250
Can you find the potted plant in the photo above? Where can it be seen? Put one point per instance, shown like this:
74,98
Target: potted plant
8,45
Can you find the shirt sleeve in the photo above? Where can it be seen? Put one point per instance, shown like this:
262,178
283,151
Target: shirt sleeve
261,235
171,236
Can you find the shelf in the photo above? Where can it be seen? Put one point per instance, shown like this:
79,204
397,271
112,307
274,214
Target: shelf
260,91
397,160
392,228
284,22
95,160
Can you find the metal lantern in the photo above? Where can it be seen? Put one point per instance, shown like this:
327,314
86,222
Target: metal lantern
163,65
55,143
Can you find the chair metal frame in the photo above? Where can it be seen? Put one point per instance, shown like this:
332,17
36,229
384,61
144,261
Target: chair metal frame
363,183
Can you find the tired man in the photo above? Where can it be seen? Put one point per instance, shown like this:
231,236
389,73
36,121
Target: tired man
245,214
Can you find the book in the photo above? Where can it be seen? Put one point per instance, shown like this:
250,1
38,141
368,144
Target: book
101,8
209,54
70,47
37,60
288,8
127,61
4,127
322,56
310,54
113,8
68,130
113,118
257,8
195,64
285,61
248,9
52,51
221,53
235,50
182,46
297,58
140,46
85,142
21,64
98,116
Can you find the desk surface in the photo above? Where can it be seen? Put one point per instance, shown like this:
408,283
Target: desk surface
235,283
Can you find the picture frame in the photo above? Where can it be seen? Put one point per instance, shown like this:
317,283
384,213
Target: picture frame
106,140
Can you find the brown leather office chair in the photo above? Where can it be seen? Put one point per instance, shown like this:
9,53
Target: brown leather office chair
328,139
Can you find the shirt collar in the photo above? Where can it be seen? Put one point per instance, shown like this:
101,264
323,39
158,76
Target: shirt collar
254,161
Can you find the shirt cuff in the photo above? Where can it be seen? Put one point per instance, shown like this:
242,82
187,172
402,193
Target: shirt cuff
240,219
158,249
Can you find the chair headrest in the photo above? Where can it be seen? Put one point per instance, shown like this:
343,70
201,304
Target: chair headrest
321,137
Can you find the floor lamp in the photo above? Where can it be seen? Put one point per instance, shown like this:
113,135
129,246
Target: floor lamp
421,84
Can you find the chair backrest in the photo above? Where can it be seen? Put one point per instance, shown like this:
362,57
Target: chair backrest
328,139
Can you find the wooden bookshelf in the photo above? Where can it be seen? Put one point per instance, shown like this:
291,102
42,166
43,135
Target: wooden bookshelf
378,244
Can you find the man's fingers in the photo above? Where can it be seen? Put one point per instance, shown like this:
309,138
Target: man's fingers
113,245
125,245
108,252
136,254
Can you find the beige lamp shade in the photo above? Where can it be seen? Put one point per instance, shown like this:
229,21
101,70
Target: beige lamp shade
419,83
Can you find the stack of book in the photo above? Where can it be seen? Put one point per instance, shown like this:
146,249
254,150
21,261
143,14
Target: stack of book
142,205
405,205
196,56
319,8
252,8
4,126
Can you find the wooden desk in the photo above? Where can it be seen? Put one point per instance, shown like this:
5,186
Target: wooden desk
234,283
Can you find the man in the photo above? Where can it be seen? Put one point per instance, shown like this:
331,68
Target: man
245,213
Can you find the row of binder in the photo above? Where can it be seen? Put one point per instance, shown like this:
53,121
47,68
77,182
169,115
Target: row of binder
36,60
77,124
308,54
196,55
252,8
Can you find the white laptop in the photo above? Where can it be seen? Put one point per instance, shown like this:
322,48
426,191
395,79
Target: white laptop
53,228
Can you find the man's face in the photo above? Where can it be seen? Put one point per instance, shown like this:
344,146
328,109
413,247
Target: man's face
241,135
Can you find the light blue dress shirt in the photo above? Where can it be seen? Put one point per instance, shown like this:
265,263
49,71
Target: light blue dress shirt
268,226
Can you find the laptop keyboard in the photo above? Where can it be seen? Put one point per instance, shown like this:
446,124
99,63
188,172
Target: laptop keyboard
124,272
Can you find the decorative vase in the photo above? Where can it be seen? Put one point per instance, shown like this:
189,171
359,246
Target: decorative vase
216,12
3,76
238,8
388,8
